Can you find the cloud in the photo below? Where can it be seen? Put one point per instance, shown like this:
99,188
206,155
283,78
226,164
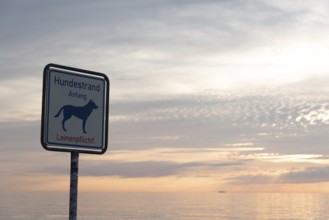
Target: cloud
154,48
142,169
308,175
271,119
304,176
156,162
201,32
252,179
266,108
184,74
20,137
21,99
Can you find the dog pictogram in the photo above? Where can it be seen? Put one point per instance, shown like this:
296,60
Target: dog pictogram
81,112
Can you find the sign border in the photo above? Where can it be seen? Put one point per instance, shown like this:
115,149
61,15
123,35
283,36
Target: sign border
45,102
47,112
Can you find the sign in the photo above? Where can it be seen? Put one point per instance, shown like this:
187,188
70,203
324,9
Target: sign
74,110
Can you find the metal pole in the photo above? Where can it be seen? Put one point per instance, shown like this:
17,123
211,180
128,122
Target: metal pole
74,185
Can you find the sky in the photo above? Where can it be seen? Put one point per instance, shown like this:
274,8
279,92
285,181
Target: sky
205,95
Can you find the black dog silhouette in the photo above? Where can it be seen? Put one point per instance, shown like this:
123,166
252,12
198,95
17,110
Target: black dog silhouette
82,112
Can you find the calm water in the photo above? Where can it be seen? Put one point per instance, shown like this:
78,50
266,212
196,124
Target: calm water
163,206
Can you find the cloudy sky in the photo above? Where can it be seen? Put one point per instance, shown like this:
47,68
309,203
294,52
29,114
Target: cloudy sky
205,95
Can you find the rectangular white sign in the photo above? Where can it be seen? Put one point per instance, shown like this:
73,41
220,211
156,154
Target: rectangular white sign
74,110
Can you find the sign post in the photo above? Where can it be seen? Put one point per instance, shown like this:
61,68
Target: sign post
74,185
74,118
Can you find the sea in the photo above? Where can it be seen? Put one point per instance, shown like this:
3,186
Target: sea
165,206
